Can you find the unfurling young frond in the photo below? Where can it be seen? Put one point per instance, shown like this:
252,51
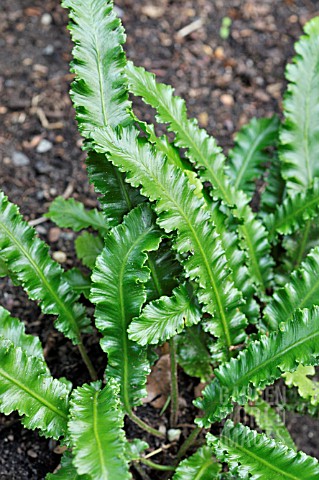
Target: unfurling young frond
96,429
253,455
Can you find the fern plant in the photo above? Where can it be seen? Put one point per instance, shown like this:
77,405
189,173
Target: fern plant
176,256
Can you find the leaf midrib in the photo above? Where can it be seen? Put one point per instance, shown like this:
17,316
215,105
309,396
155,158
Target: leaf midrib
257,458
281,221
97,436
273,358
247,158
33,394
45,283
126,400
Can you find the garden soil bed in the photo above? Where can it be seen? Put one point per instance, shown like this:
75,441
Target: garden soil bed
225,83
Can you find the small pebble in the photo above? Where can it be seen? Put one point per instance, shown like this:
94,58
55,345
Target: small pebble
54,234
46,19
42,167
19,159
48,50
59,256
44,146
174,434
227,100
32,453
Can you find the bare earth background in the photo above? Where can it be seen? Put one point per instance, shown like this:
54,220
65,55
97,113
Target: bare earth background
225,83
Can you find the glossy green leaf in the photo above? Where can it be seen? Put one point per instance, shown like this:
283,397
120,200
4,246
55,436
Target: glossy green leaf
256,456
203,151
200,466
302,291
178,210
299,147
26,386
192,353
295,211
165,317
248,156
79,282
117,197
261,363
274,188
72,214
88,247
42,278
14,330
98,91
118,292
96,430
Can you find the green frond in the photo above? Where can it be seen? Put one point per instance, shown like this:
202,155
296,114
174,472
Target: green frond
178,210
165,271
41,277
72,214
165,317
26,386
248,157
96,430
117,197
80,283
253,455
302,291
299,148
307,388
200,466
297,247
98,92
13,329
118,291
295,211
274,190
171,109
270,421
261,363
237,259
88,247
67,470
192,353
4,272
203,151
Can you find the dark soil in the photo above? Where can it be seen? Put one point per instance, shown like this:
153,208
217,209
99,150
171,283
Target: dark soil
225,83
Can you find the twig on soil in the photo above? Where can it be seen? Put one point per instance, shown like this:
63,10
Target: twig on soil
192,27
